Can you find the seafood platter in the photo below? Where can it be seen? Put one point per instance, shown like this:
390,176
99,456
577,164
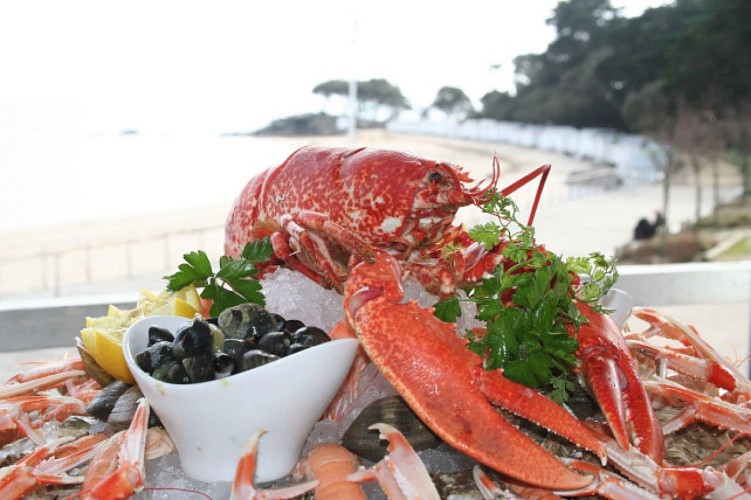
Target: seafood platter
355,341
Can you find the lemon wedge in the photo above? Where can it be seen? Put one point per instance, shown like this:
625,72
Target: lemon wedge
174,307
106,346
190,295
103,335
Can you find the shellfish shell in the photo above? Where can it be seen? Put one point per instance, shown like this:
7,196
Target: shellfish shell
392,410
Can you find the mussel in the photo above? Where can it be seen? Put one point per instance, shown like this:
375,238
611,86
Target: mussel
125,407
103,403
243,337
155,355
193,340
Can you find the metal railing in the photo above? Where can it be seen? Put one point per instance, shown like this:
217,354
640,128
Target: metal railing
50,269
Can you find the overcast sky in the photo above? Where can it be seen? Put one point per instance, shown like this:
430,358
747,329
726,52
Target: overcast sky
234,65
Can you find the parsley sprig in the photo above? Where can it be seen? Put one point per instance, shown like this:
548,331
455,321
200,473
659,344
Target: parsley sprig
232,284
529,303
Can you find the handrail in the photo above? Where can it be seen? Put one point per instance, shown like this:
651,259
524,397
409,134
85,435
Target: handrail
46,270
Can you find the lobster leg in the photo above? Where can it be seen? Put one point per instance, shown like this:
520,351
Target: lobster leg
606,484
443,382
127,478
35,385
700,407
46,368
710,365
41,468
401,473
677,482
541,172
243,486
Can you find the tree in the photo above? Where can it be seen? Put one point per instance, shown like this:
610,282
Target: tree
453,101
332,87
564,84
373,96
737,127
496,105
376,94
650,110
710,63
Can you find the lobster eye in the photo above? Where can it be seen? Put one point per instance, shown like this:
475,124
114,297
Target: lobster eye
435,177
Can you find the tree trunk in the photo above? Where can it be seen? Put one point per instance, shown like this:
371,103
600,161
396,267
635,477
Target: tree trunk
665,233
696,170
715,189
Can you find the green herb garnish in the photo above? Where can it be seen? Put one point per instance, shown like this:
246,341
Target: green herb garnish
232,285
529,303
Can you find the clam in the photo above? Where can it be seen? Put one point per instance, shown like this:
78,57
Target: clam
392,410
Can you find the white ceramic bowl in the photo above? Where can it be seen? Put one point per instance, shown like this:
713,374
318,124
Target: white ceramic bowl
211,421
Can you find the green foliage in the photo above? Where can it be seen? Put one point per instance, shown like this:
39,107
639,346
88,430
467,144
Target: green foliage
372,95
232,285
332,87
381,92
453,101
529,303
693,51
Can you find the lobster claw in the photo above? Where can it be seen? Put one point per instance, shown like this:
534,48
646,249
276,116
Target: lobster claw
610,373
444,382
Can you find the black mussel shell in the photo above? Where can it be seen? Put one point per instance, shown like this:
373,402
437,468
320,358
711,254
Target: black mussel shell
255,358
159,334
193,340
200,368
279,320
103,403
155,355
310,336
392,410
224,365
236,348
172,373
292,325
246,321
295,348
275,343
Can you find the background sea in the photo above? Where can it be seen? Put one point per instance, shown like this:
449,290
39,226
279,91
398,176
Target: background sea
59,179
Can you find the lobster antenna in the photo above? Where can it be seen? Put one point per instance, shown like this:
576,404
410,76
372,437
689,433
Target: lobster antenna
478,192
542,172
